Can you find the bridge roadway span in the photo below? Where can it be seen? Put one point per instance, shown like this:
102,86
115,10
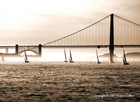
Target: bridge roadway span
71,46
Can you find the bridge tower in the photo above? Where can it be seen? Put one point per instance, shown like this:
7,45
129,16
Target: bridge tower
40,50
16,49
6,50
111,46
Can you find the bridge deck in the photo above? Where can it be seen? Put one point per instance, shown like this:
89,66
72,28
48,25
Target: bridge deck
87,46
72,46
18,46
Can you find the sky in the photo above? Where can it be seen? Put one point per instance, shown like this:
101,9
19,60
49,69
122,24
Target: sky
33,22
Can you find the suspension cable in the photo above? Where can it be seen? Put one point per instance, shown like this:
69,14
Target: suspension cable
127,20
77,31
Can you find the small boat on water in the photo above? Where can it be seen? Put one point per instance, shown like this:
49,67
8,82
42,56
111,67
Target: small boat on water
124,61
70,58
25,58
97,58
65,56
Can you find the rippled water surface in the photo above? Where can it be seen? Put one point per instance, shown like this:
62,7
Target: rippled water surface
78,82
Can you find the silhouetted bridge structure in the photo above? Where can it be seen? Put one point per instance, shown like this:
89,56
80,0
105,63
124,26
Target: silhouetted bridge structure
20,49
110,32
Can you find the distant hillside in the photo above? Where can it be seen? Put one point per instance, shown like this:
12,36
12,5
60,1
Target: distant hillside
107,55
133,55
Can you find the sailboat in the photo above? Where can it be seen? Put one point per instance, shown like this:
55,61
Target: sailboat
65,56
97,58
70,58
2,57
25,58
124,61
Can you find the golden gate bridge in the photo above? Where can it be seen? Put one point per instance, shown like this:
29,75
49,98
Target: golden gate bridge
111,31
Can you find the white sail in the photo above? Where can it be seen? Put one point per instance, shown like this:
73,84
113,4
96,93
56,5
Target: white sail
25,58
124,61
2,57
70,58
97,58
65,56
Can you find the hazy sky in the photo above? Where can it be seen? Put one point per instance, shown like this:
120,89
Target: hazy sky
31,22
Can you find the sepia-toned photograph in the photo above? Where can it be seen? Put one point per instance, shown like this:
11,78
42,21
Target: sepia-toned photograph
69,50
